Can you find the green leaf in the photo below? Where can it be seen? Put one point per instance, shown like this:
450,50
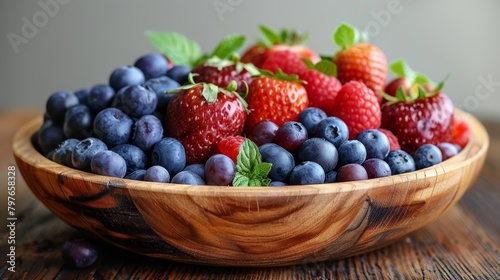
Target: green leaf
228,46
441,85
270,35
176,47
251,171
402,70
326,67
309,63
345,35
422,79
421,92
210,92
400,94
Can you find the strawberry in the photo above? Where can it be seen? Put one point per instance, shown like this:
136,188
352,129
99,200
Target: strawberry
359,61
289,62
274,42
461,132
202,114
278,98
321,85
230,146
358,106
426,118
406,79
393,140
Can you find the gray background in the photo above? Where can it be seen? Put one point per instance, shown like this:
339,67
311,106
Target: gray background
78,43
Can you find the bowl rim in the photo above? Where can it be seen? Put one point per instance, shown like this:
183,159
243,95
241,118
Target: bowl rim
25,151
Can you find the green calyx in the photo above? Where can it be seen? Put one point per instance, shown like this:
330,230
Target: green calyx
250,170
280,75
233,59
286,37
325,66
346,36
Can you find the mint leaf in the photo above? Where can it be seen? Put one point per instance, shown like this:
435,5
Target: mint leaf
270,35
345,35
210,92
176,47
228,46
251,171
326,67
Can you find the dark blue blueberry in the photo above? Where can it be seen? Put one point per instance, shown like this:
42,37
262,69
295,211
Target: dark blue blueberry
126,76
160,86
137,101
49,137
307,173
400,162
62,154
291,135
376,168
79,252
188,178
113,126
332,129
100,97
117,99
352,151
157,174
137,175
219,170
351,172
263,132
198,168
331,177
146,132
82,95
169,153
85,150
108,163
78,122
376,143
277,184
153,65
58,103
427,155
179,73
282,161
320,151
310,117
133,156
448,150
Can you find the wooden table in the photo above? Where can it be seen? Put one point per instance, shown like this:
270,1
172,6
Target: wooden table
464,243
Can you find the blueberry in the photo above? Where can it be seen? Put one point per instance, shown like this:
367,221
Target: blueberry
117,99
113,126
134,157
376,143
137,175
79,252
82,95
400,162
108,163
179,73
351,172
85,150
291,135
306,173
100,97
62,154
310,117
376,168
198,168
263,132
137,101
331,177
58,103
126,76
448,150
157,174
146,132
219,170
188,178
352,151
427,155
160,86
277,184
78,122
169,153
49,137
152,65
332,129
282,161
320,151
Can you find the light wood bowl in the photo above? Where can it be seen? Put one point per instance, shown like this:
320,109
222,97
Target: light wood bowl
250,226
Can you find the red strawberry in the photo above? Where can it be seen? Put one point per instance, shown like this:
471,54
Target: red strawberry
200,115
393,140
230,146
289,62
461,132
274,42
321,85
357,61
278,98
418,120
358,107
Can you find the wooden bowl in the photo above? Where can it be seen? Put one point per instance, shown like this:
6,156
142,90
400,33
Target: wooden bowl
256,226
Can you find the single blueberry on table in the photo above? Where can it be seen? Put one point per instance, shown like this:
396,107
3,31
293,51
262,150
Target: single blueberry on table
310,117
153,65
282,161
427,155
400,162
78,122
376,143
126,76
58,103
307,173
332,129
134,156
188,178
108,163
179,73
157,174
137,101
169,153
62,154
352,151
146,132
219,170
100,97
79,252
113,126
320,151
85,150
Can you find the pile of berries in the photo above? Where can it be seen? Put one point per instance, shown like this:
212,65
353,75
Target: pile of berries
279,115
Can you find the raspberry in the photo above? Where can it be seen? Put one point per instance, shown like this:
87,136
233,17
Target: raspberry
289,62
461,132
230,146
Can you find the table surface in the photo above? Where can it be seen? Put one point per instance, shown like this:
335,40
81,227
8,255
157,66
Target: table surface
463,243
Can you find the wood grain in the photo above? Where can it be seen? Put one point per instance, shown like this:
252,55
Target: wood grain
462,243
249,226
